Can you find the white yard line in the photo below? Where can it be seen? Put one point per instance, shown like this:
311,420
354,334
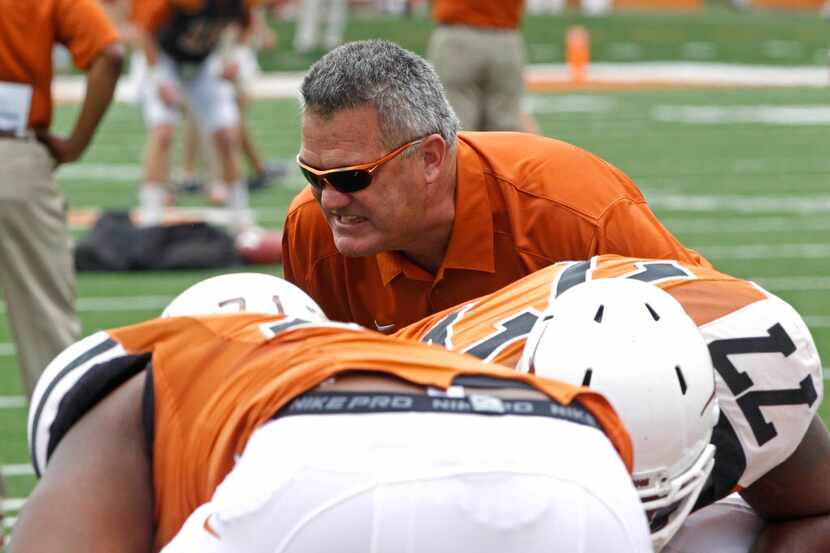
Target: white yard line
22,469
740,204
12,402
748,225
120,303
286,85
767,251
13,503
794,283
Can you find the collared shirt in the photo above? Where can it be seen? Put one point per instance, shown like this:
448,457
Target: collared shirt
497,14
522,203
28,31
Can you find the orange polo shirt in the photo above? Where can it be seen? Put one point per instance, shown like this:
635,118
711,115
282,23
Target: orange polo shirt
500,14
522,202
29,29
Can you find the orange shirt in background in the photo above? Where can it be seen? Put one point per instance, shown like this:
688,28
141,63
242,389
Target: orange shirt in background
500,14
29,29
523,202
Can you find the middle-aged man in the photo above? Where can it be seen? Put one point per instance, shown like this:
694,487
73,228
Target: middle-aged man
405,217
478,52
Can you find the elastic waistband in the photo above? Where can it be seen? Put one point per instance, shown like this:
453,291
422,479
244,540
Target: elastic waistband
346,402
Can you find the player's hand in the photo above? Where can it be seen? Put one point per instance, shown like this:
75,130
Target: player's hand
230,71
169,95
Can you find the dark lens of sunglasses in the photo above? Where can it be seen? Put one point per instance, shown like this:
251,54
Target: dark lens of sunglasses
350,181
312,179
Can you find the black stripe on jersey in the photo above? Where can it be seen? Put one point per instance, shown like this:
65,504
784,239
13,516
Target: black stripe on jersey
96,383
477,381
148,412
104,346
573,275
654,271
730,464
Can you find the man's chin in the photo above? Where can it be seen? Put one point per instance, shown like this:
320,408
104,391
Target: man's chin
351,247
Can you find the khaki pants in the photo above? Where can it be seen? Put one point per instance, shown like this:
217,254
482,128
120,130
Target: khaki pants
36,266
483,74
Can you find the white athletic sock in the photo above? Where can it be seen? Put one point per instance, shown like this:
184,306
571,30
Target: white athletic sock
151,197
238,205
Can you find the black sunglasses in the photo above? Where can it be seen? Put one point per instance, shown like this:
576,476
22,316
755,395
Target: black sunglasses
348,179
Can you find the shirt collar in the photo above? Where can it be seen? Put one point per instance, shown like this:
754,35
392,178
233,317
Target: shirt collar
471,242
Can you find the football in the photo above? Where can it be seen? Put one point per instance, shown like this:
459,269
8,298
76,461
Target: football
257,246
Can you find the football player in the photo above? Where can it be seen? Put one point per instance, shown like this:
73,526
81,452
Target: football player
267,432
771,445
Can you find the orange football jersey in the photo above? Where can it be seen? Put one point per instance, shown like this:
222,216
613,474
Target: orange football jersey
215,379
762,351
494,327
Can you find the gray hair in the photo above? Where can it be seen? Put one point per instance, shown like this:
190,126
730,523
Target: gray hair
403,88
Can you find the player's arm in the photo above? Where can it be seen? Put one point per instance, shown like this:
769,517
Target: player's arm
96,495
794,497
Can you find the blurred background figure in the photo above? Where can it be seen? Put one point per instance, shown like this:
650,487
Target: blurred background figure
539,7
479,55
186,68
37,275
36,269
312,16
243,47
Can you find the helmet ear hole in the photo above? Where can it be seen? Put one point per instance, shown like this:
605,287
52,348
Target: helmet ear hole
681,379
654,314
586,380
598,316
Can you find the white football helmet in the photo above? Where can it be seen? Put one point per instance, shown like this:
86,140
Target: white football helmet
245,292
634,343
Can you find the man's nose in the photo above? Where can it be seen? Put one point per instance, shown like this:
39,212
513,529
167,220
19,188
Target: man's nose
331,198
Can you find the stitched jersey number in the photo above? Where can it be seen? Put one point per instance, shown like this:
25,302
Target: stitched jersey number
519,325
776,341
507,330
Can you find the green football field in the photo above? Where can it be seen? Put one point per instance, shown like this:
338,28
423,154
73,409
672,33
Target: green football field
742,175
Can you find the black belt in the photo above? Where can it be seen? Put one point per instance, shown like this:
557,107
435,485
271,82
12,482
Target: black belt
339,402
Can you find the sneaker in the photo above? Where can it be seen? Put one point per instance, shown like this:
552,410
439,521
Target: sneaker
190,185
267,177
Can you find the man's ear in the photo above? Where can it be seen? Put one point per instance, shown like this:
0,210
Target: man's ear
434,153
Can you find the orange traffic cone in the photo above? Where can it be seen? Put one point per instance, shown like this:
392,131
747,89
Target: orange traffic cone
577,52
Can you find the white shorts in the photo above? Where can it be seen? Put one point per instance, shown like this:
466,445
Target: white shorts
727,526
437,482
211,99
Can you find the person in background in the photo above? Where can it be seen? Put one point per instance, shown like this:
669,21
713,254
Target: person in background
180,39
310,18
478,52
245,43
404,216
37,274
